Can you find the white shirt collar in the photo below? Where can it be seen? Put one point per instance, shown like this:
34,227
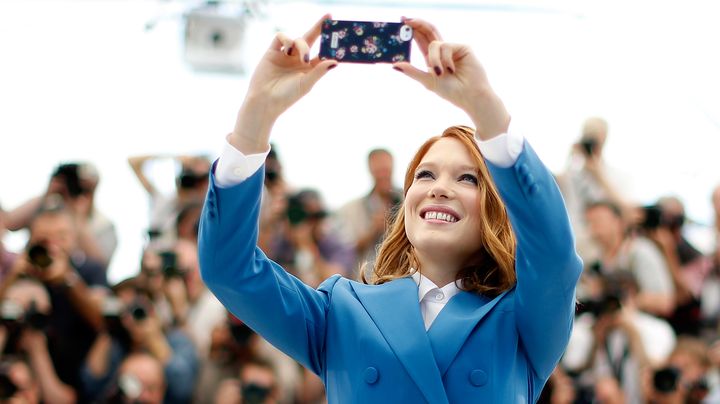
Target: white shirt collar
425,286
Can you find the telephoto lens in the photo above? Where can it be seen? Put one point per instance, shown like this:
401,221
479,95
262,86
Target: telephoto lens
39,255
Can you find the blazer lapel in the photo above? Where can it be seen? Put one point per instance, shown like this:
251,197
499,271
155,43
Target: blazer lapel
455,323
395,309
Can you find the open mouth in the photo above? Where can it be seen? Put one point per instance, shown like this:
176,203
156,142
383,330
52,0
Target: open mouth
442,215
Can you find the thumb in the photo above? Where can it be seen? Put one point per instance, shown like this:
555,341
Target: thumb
424,78
317,72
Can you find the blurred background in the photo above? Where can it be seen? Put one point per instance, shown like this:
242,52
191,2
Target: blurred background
100,81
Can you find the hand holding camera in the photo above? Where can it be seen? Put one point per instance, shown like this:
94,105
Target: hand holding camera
46,262
455,74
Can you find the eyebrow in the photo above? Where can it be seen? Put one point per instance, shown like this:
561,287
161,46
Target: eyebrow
463,167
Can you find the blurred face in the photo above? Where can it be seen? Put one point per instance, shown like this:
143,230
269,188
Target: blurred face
148,372
260,377
56,229
604,226
381,168
442,214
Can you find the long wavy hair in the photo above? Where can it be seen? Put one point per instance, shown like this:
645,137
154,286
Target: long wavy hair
492,270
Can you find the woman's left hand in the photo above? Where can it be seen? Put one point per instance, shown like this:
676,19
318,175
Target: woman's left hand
456,75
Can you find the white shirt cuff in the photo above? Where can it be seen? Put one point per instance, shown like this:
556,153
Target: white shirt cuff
234,167
502,150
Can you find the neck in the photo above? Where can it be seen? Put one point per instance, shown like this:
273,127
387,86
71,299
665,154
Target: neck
612,246
441,271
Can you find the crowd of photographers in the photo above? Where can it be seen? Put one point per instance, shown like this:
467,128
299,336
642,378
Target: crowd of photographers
645,330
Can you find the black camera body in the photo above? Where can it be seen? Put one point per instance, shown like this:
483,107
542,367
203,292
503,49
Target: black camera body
666,380
169,264
189,179
589,145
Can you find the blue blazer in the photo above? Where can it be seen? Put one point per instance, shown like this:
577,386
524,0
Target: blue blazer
368,342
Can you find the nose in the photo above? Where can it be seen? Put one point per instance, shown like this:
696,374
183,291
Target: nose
440,189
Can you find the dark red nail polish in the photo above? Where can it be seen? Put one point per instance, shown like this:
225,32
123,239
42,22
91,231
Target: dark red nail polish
397,68
307,58
438,71
332,67
290,50
450,69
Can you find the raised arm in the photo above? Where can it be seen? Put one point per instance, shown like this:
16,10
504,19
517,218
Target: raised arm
284,75
278,306
546,264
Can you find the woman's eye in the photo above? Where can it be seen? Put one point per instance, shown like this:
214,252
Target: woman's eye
469,178
423,174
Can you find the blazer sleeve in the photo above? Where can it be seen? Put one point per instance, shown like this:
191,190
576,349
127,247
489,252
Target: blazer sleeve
278,306
547,265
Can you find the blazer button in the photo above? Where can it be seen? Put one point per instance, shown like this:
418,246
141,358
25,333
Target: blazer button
523,169
534,188
478,378
371,375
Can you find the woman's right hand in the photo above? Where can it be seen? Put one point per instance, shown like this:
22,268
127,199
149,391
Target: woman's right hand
284,75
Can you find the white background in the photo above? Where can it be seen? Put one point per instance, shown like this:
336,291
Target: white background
85,80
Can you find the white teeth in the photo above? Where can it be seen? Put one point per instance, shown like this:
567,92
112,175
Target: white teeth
445,217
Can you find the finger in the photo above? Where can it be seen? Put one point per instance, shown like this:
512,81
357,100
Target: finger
282,43
301,50
423,32
424,78
447,53
433,58
317,72
312,35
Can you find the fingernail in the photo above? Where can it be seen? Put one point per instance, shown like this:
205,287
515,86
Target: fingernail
450,69
332,66
397,68
307,58
290,50
438,71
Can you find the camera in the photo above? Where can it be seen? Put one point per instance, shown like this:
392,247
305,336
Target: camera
189,179
254,394
14,314
666,380
296,211
653,217
589,145
7,387
138,311
39,255
71,177
169,264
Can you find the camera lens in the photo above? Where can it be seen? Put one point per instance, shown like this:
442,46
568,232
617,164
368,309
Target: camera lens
665,380
138,312
39,256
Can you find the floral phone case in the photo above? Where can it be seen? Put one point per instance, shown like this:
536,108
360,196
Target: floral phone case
365,41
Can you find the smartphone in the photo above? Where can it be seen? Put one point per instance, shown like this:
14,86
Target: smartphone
365,41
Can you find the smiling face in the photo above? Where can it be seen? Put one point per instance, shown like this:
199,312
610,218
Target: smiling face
442,210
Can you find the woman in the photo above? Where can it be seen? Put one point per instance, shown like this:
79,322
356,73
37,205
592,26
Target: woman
500,319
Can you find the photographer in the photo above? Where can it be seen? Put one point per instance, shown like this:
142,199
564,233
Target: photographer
613,342
682,379
257,384
24,324
363,220
588,178
75,183
71,284
306,243
132,325
140,380
621,249
664,224
190,188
